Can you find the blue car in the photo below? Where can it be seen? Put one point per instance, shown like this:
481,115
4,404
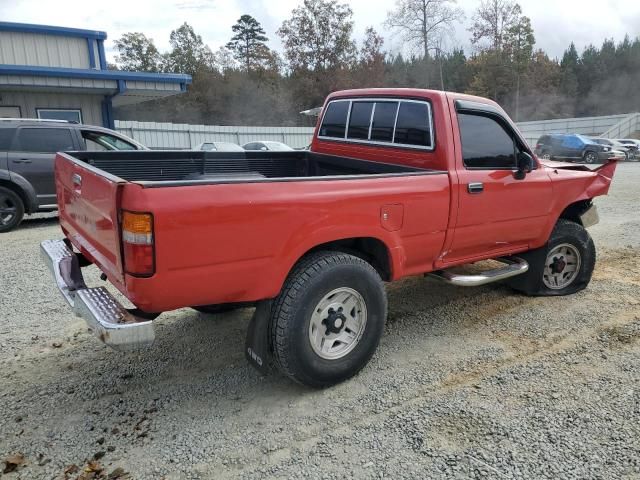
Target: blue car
573,148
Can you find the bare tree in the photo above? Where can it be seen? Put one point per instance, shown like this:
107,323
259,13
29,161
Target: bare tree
492,21
424,23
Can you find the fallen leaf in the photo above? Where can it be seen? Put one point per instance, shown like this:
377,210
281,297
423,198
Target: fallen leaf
93,466
71,469
56,344
118,474
12,462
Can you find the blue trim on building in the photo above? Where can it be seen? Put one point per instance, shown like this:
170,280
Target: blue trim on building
51,30
101,55
107,113
58,72
92,53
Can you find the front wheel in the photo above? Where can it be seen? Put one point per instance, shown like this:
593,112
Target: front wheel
563,266
328,319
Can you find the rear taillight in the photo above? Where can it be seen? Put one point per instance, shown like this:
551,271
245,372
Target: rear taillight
138,243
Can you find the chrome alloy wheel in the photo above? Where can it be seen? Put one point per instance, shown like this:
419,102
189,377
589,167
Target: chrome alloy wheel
337,323
561,267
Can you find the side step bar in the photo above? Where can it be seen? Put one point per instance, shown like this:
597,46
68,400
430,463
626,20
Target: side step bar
513,266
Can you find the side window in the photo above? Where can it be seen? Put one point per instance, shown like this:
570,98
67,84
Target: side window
485,143
334,122
98,141
384,119
45,140
412,126
6,135
359,120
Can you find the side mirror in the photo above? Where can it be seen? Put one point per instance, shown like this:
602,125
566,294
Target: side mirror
525,164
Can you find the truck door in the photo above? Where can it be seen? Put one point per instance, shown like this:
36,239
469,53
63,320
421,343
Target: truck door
32,154
497,213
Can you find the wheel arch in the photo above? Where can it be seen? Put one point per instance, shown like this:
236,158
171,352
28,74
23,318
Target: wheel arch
22,188
371,249
573,211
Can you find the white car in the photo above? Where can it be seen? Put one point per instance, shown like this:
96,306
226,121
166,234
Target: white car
220,147
267,145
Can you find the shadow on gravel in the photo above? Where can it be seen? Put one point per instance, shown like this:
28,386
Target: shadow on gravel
38,221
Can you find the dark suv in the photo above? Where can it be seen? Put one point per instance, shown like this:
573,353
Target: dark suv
572,147
27,152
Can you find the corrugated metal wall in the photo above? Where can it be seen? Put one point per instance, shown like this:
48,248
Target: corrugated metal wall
90,105
183,136
20,48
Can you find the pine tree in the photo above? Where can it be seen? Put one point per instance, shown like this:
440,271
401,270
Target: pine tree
248,43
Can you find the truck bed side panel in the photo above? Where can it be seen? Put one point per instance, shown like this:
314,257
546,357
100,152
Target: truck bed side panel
237,242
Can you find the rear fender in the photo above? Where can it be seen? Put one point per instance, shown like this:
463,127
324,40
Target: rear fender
24,189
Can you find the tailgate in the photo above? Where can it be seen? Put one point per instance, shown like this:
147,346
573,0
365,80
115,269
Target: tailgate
88,201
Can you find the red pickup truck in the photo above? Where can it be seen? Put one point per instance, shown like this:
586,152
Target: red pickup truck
397,182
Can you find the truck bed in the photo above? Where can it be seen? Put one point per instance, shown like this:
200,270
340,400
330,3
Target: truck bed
180,168
228,227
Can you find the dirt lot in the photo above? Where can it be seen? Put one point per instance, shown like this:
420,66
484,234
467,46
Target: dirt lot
466,383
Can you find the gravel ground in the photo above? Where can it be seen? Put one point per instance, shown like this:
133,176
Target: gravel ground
467,383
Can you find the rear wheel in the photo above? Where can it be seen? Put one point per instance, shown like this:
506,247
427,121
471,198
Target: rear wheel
563,267
546,156
11,209
328,319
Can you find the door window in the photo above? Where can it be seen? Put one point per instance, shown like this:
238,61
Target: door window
98,141
45,140
485,143
6,135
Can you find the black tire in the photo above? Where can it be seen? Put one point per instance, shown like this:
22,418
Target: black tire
590,157
576,237
311,282
221,308
11,209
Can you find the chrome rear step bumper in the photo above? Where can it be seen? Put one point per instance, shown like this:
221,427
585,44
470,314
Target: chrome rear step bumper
106,318
513,266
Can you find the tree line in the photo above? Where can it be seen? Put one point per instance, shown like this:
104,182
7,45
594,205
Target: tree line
246,82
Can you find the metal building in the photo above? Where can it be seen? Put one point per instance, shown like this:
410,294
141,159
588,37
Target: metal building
61,73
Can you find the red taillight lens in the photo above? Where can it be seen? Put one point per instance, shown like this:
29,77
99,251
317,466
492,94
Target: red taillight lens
138,243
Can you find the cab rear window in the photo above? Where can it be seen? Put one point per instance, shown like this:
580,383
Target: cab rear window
334,123
403,123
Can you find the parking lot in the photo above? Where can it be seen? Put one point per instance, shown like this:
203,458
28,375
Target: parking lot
466,382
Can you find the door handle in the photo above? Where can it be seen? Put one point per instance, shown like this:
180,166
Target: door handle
475,187
22,160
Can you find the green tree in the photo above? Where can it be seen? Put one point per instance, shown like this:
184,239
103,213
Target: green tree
371,56
248,43
318,36
136,52
518,43
188,54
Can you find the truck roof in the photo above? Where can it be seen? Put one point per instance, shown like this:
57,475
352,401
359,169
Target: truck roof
408,92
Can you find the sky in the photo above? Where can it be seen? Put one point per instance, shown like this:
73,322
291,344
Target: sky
556,23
